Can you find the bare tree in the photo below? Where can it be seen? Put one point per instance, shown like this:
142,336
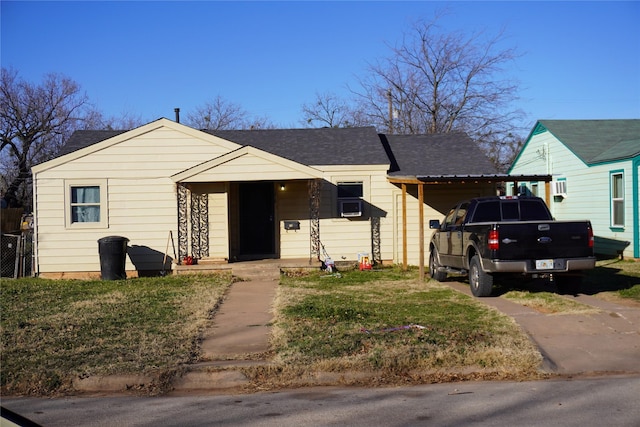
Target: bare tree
35,120
95,120
328,110
436,82
220,114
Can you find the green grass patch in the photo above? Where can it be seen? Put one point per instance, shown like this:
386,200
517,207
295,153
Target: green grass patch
54,330
390,322
549,303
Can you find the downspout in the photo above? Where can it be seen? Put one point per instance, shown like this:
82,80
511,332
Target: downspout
35,267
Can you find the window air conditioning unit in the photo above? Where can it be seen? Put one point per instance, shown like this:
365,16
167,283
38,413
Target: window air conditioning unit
559,188
350,208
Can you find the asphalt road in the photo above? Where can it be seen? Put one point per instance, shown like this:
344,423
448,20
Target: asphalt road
610,401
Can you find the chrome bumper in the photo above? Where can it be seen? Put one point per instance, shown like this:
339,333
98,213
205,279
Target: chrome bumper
529,266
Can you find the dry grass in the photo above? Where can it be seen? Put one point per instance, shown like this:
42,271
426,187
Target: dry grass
54,331
392,329
549,303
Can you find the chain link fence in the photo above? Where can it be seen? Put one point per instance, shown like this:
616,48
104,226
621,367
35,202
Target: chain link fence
16,255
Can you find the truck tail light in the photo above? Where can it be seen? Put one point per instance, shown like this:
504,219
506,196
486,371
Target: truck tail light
590,237
494,240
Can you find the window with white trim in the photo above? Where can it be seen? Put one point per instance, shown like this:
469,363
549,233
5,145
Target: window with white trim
350,196
617,199
86,205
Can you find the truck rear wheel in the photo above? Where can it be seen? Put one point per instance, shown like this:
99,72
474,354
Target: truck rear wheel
434,267
481,282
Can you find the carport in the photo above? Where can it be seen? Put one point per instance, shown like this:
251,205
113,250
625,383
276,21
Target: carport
421,180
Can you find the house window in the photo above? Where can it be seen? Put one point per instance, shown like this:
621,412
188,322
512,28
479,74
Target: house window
350,196
617,199
350,190
86,204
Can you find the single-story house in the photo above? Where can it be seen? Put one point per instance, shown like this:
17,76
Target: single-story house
227,196
595,166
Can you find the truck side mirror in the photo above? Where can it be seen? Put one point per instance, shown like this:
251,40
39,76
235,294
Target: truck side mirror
434,223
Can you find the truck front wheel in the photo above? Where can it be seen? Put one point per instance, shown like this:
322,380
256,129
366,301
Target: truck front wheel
481,282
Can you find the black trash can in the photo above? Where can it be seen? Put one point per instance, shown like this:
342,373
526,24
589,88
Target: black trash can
113,257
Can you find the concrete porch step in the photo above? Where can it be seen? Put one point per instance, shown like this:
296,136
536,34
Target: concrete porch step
267,269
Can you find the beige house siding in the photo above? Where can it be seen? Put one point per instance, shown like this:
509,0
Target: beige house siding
141,198
292,204
144,217
438,199
140,170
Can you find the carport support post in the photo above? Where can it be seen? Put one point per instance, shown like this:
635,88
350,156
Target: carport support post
421,242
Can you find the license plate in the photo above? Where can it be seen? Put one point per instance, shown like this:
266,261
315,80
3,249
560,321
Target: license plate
544,264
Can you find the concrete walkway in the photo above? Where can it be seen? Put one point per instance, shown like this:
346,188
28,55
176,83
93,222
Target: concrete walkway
240,332
242,325
603,342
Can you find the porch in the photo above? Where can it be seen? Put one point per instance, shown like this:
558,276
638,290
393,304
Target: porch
265,269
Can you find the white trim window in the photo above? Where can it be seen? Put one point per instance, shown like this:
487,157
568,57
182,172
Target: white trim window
350,196
617,199
86,204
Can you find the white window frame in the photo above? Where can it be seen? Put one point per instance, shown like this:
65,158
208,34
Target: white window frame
364,181
617,200
104,214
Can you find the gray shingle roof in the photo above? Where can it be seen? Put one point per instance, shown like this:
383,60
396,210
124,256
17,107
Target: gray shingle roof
437,155
84,138
407,155
325,146
596,141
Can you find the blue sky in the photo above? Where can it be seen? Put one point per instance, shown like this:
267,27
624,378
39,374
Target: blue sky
580,60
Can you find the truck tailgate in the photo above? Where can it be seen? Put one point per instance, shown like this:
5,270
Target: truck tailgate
543,240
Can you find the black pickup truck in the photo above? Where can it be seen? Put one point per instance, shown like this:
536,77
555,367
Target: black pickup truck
490,237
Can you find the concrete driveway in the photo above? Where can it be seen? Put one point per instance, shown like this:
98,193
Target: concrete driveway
604,342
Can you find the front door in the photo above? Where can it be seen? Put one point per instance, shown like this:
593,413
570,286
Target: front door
256,215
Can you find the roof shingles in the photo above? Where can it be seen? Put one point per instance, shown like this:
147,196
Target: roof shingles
596,141
405,155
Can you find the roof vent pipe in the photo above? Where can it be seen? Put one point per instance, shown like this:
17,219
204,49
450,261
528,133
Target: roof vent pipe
177,110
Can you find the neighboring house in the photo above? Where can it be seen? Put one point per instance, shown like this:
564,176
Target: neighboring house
237,195
595,165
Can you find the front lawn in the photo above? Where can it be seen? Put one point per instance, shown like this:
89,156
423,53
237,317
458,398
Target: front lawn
54,331
384,323
388,323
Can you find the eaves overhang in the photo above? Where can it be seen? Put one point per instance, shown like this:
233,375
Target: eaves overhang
465,179
287,168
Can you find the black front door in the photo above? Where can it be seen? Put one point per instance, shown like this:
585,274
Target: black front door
257,219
